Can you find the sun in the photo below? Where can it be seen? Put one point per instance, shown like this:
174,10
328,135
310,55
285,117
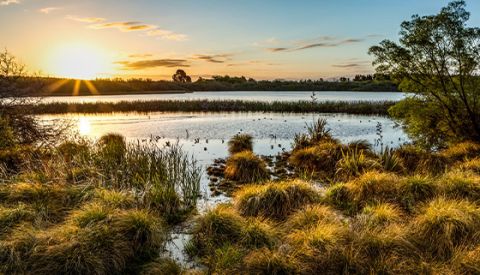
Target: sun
79,61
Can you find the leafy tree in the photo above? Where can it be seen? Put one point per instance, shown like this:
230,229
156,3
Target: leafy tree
437,60
181,76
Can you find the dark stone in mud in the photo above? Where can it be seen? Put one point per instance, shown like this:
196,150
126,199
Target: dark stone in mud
214,179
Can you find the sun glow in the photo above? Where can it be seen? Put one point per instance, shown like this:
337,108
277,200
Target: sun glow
79,61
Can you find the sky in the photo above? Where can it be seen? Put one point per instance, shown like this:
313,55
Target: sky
267,39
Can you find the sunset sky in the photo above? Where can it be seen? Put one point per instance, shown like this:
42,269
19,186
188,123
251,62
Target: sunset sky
267,39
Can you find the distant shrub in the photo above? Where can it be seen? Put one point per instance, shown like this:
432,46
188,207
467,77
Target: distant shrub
239,143
246,167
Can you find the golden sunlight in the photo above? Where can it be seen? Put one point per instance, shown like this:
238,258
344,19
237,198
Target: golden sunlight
79,61
84,126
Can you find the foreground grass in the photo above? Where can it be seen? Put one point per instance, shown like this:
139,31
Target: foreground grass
403,211
359,107
92,208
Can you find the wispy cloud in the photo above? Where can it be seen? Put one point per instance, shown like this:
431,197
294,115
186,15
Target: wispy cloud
140,55
153,63
353,63
9,2
99,23
123,26
86,19
320,42
48,10
350,65
215,58
165,34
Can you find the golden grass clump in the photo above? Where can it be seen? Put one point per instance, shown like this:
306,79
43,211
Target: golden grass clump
469,262
10,217
246,167
161,266
266,261
112,149
275,200
472,165
310,216
90,215
320,249
445,224
461,151
416,189
239,143
373,187
319,159
379,215
115,198
257,233
461,185
354,162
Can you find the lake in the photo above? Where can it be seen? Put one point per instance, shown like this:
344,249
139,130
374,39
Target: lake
252,96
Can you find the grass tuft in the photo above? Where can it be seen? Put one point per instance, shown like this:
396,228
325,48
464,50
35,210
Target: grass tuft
239,143
246,167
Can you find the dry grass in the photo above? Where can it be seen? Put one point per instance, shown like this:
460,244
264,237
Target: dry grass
274,200
246,167
320,159
239,143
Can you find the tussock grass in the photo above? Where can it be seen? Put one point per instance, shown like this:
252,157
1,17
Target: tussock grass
445,224
461,151
472,165
161,266
246,167
320,159
266,261
258,233
379,215
461,185
10,217
310,216
415,190
354,162
239,143
115,198
373,187
274,200
469,261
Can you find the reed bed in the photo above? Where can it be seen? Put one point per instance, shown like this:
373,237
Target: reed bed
350,107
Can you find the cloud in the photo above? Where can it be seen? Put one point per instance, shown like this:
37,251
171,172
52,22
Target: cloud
168,35
9,2
140,55
215,58
320,42
86,19
147,64
350,65
278,49
48,10
99,23
123,26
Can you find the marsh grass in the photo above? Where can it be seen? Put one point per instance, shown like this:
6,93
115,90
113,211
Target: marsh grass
354,162
239,143
274,200
319,160
461,185
359,107
445,224
246,167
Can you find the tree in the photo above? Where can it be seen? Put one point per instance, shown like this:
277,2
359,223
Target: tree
437,60
181,76
16,120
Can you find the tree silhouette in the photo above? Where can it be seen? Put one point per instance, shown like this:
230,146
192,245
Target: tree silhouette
181,76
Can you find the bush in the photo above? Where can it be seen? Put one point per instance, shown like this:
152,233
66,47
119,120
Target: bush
445,224
246,167
274,200
239,143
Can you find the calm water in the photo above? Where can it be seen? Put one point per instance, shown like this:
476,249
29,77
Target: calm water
272,132
255,96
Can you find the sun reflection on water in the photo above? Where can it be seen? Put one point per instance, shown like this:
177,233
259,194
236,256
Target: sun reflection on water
84,126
